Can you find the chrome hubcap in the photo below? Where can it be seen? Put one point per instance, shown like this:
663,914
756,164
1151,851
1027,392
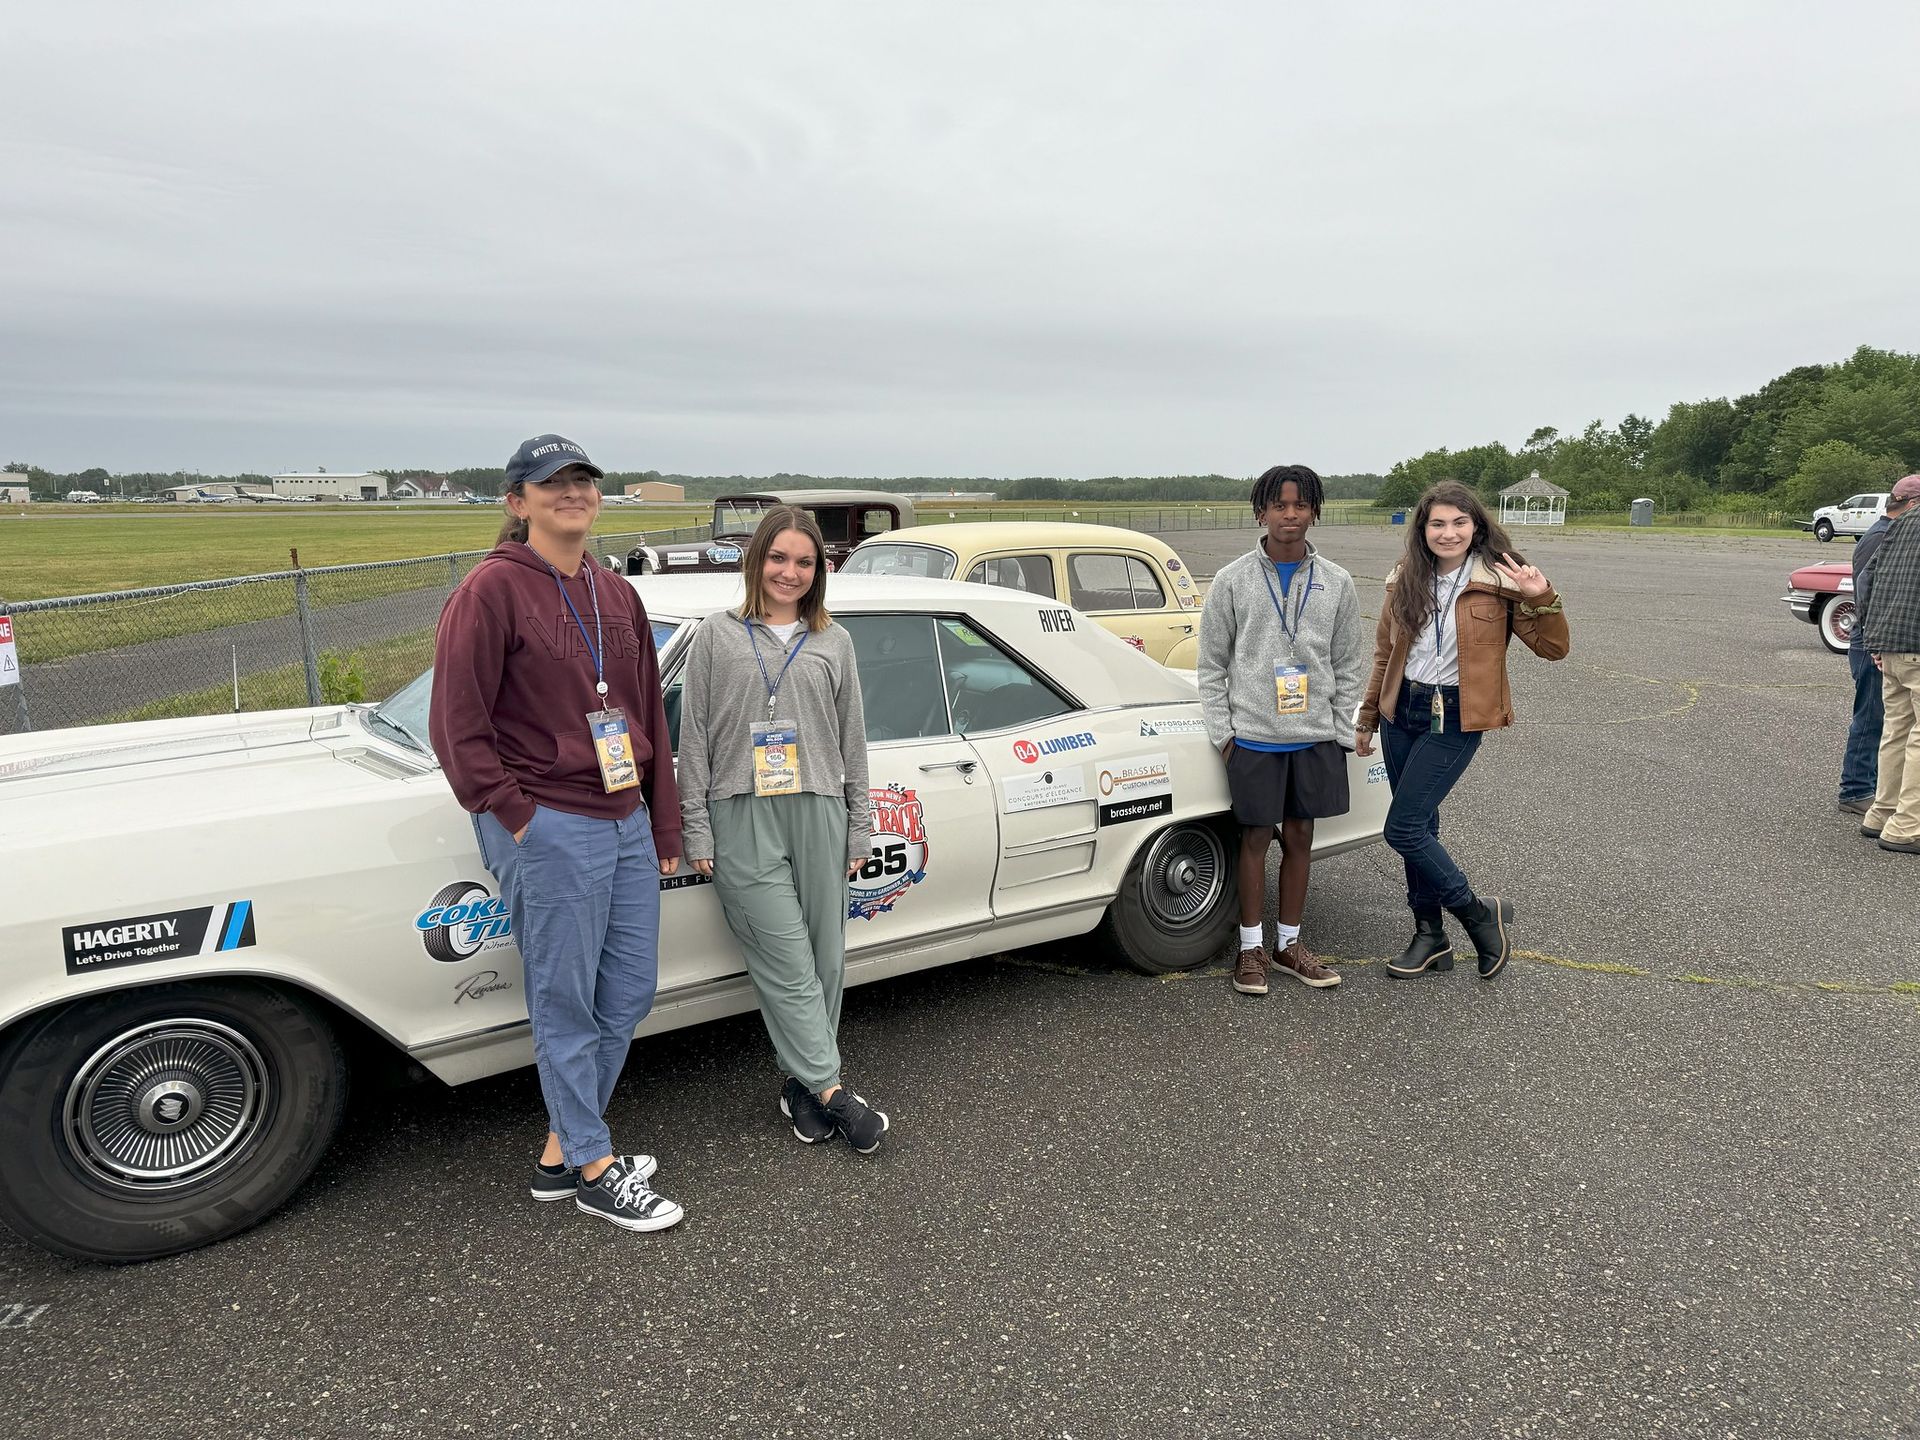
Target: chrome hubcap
1183,875
165,1104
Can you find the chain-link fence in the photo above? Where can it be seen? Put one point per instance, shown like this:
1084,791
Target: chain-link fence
253,642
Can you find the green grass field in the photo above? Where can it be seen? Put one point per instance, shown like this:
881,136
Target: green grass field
84,549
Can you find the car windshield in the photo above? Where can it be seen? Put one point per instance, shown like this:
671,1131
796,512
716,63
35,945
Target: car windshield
402,716
926,561
738,517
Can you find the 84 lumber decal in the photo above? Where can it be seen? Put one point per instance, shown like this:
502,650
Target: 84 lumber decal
168,935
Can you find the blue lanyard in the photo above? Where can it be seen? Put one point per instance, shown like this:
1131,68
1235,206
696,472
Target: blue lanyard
773,685
598,643
1292,632
1440,611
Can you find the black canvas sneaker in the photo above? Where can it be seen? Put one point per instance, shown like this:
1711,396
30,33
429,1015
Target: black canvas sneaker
621,1197
811,1123
859,1122
560,1184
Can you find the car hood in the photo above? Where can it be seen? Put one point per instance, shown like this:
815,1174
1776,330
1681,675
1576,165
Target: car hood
45,754
1807,577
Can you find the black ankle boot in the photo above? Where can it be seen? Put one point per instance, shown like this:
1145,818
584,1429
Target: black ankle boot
1486,922
1429,950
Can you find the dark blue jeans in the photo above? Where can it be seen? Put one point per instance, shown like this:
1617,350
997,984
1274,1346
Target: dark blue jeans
1423,768
1860,770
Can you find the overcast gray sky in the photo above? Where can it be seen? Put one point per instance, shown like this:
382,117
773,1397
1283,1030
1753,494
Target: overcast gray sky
981,239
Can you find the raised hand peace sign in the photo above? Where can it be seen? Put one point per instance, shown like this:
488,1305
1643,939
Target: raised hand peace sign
1527,579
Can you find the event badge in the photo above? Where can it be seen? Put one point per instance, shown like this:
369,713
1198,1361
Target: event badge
776,757
1289,689
615,748
1438,724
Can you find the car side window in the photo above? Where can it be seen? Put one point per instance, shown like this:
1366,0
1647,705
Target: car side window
902,691
988,688
874,522
1030,573
1099,582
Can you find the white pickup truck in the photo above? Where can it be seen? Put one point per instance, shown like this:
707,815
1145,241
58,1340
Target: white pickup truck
1852,516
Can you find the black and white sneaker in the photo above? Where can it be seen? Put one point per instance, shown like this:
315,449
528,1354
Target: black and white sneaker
561,1183
858,1121
811,1123
621,1197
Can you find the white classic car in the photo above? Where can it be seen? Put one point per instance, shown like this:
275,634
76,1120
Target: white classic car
206,916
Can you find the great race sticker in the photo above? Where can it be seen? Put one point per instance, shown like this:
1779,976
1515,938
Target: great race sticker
898,860
723,554
463,920
167,935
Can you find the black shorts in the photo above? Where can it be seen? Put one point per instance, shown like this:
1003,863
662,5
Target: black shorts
1269,787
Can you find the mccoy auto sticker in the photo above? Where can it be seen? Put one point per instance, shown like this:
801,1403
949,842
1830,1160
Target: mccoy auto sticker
1377,773
462,920
1045,790
1135,789
898,860
143,939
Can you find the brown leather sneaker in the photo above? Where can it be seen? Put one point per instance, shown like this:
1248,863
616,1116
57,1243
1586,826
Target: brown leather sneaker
1250,971
1301,963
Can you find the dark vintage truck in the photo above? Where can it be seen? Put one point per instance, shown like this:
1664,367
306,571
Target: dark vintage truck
846,517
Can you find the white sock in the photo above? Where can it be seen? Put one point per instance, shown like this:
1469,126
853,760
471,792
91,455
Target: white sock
1286,935
1249,937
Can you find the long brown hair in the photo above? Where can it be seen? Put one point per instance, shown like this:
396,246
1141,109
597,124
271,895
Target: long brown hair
775,523
1412,600
514,527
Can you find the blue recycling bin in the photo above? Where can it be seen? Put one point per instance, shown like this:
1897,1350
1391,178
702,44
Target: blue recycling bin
1399,517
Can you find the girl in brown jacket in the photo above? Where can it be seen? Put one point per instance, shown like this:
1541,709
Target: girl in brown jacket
1439,684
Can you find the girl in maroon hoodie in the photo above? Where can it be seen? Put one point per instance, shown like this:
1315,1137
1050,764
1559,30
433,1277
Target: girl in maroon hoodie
547,720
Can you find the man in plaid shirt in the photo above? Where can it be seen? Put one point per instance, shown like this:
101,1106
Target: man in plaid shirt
1890,630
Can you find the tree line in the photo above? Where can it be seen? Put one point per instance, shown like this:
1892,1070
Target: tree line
1810,437
1807,438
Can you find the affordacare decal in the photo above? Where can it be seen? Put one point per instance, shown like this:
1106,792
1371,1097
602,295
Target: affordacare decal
1135,789
898,860
1153,729
144,939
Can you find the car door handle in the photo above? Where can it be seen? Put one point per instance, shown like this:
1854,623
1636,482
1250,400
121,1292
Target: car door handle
1186,629
965,767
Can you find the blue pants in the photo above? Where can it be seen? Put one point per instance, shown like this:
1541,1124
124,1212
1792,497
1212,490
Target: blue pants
1423,768
585,899
1860,770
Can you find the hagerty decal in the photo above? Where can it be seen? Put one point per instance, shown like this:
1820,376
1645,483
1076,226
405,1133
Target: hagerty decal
168,935
462,920
898,860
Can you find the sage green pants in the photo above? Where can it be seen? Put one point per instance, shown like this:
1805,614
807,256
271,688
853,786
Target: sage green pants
780,870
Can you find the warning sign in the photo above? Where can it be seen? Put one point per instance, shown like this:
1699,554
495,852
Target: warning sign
9,657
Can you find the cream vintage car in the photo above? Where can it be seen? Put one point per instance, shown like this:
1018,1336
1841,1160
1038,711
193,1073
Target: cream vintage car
206,917
1133,584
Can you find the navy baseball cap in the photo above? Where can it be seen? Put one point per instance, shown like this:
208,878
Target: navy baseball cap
544,456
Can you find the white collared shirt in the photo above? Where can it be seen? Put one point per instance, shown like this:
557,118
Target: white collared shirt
1434,658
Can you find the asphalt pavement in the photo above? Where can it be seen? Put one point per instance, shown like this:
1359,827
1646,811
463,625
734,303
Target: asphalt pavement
1656,1180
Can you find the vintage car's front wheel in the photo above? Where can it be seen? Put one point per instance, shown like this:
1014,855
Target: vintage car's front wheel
1176,907
1834,621
149,1122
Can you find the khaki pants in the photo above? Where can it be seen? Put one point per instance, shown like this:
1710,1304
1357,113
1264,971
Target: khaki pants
1896,806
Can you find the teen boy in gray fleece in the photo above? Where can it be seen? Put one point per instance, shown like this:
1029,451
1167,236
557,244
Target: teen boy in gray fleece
1283,666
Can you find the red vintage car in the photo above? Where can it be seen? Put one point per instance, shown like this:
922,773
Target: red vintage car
1823,596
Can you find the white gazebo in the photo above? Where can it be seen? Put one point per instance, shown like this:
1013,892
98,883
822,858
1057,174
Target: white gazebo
1533,502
